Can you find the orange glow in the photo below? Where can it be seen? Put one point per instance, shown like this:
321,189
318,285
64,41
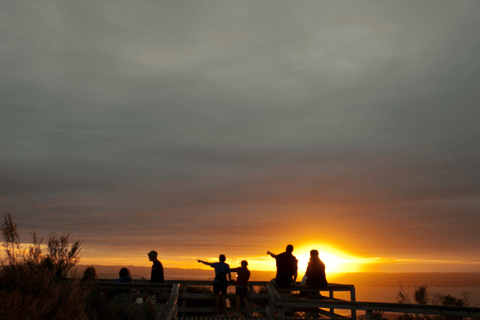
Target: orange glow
335,260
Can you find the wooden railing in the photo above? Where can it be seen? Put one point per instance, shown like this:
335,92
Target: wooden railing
168,311
280,305
179,295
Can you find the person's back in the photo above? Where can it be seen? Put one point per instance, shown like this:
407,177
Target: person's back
157,272
220,283
157,268
241,291
287,266
124,276
243,274
221,270
315,272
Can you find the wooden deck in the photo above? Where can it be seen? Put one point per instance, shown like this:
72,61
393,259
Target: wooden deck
271,303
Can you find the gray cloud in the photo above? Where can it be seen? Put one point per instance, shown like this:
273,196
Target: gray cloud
174,116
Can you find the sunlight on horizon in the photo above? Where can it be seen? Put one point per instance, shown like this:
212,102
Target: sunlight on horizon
336,260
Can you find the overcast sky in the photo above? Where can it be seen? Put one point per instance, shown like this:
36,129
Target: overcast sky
201,127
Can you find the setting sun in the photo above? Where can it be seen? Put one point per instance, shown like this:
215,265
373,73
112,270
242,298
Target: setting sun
334,259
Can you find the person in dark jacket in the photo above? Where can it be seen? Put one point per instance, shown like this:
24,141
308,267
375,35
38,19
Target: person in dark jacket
287,267
124,276
157,268
157,272
315,274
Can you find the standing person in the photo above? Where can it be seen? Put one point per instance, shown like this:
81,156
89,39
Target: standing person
157,268
287,267
157,271
241,291
220,283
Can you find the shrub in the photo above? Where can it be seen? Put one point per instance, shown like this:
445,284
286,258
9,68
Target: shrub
33,285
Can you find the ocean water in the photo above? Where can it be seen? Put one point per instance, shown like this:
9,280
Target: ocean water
389,294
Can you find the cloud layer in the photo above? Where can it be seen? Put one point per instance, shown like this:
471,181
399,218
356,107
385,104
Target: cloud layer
207,126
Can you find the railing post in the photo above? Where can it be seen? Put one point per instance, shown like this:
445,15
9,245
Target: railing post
353,298
330,294
281,312
369,314
184,302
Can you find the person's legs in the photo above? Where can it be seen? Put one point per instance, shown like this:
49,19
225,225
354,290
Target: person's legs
217,303
224,300
246,304
237,305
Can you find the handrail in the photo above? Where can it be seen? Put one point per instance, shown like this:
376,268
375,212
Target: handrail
169,311
111,284
281,304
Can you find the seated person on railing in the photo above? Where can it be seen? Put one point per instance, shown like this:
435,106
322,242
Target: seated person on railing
220,283
287,268
315,274
241,291
124,278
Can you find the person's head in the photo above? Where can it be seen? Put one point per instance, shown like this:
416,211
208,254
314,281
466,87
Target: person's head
152,255
222,258
289,248
244,263
313,253
124,272
90,274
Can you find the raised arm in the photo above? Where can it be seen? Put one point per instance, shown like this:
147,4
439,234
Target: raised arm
272,254
204,262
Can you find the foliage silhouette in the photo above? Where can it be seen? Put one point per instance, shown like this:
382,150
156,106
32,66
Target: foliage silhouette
421,296
34,285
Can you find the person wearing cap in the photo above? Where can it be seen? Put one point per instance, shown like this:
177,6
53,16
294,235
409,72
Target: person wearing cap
241,291
157,268
157,272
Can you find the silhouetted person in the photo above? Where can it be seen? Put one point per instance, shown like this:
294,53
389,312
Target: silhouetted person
287,268
157,268
157,272
241,291
90,274
95,302
124,276
315,274
220,283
